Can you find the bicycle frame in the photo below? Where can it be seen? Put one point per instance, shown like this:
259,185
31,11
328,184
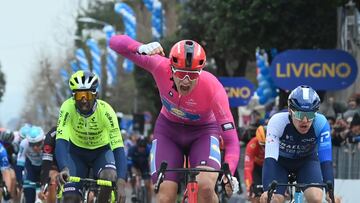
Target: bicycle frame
298,196
191,192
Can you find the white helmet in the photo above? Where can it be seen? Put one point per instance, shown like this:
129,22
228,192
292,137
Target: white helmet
36,134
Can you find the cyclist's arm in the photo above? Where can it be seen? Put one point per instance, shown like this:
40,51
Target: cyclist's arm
273,134
20,162
47,158
120,162
324,148
221,109
63,132
249,164
61,153
128,47
116,142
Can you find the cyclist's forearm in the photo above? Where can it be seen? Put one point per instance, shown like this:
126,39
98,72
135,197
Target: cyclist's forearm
18,173
232,150
120,162
44,174
327,171
268,172
61,151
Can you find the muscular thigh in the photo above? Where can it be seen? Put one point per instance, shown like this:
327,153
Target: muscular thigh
165,149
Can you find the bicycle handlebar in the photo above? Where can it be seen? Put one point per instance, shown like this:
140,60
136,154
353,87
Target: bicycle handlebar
163,168
328,185
92,181
161,175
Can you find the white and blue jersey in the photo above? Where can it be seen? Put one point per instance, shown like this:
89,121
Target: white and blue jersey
30,160
284,140
26,152
308,155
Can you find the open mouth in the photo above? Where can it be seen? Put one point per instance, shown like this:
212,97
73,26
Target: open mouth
303,127
184,88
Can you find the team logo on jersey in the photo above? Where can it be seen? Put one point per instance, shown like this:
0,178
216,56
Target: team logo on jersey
227,126
177,112
171,94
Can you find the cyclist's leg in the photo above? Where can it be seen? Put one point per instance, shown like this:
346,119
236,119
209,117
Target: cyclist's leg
310,172
8,179
145,175
77,167
32,175
205,153
104,168
164,148
51,197
133,172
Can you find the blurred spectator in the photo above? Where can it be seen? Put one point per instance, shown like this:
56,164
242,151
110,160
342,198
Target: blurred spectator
354,133
353,107
339,132
327,107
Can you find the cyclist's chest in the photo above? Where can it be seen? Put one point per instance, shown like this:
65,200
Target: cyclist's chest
293,142
90,124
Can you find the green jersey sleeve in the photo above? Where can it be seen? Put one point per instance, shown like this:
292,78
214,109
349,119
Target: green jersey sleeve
63,129
111,123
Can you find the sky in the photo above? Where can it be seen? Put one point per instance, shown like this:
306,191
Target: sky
30,29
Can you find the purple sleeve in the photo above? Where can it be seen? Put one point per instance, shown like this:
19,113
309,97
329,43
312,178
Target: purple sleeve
127,47
225,121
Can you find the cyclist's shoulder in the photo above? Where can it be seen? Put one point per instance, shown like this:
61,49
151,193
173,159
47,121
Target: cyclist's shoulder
279,118
103,105
67,104
320,123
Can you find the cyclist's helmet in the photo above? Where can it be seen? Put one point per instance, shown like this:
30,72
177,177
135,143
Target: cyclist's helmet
142,142
84,80
304,98
261,134
36,134
7,136
187,55
24,130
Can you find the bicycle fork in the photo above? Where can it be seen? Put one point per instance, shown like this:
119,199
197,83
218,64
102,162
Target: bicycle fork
191,192
192,189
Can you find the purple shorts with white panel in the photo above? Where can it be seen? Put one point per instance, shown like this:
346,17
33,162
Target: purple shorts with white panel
174,140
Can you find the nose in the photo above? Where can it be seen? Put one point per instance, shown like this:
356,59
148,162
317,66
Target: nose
186,79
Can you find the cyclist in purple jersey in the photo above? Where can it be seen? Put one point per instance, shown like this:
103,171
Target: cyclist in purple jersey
195,112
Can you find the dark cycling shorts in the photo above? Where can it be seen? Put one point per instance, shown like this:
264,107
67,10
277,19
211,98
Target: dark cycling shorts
173,140
307,171
81,160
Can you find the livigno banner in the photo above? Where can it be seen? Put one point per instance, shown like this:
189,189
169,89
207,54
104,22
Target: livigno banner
321,69
239,90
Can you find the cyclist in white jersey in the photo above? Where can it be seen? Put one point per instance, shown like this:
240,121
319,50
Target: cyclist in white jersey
298,141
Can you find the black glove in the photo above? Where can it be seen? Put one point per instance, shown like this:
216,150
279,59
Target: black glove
63,176
120,186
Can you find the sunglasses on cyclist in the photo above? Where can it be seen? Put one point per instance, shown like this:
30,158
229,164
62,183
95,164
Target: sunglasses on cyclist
300,115
88,95
181,74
